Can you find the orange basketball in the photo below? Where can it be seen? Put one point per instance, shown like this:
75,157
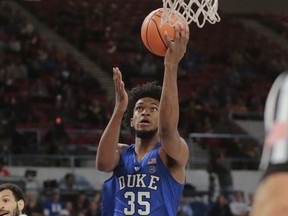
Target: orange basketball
152,32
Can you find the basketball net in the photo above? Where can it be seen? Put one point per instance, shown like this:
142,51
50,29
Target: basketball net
198,11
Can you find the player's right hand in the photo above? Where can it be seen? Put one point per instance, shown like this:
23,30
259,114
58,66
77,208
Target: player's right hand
121,96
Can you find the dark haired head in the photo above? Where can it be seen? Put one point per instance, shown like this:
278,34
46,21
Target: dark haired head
17,192
150,89
69,175
6,189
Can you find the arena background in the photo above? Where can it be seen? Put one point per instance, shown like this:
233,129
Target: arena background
250,123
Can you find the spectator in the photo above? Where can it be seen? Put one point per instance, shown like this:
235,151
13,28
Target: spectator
68,183
53,206
82,203
74,182
23,109
33,206
69,209
7,128
94,209
184,208
221,167
3,170
96,113
250,201
32,184
220,207
95,205
238,207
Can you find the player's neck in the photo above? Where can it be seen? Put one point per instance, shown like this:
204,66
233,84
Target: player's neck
152,141
142,146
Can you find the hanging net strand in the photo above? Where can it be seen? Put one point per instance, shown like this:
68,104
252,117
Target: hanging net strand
198,11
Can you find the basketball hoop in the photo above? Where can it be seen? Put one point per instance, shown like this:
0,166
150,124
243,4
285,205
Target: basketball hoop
198,11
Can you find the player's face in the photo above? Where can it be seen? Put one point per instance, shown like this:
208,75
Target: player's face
8,205
145,117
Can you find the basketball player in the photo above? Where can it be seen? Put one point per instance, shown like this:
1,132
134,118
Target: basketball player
271,198
149,175
12,200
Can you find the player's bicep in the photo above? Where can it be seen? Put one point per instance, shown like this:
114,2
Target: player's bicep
177,149
118,152
109,163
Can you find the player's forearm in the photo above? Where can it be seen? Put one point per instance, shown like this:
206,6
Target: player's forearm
107,156
173,144
169,105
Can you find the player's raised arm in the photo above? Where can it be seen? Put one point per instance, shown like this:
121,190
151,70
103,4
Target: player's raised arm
107,156
173,144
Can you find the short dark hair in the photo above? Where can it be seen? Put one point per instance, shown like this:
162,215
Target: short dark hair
16,190
150,89
68,175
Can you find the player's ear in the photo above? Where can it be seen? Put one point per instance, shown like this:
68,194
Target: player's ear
21,205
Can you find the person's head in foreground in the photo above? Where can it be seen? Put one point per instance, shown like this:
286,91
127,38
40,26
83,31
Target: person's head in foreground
271,197
12,200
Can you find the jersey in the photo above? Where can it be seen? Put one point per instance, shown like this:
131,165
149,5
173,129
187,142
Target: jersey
141,188
53,208
108,196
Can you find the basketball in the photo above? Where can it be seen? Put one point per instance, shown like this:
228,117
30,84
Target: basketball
152,32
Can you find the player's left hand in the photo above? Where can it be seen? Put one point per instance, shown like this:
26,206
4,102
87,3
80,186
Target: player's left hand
177,48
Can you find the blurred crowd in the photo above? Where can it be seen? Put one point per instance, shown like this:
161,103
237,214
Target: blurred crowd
226,72
73,195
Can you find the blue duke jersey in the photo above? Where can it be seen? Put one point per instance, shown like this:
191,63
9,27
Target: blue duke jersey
141,188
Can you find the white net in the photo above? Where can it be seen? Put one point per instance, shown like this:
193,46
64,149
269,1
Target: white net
198,11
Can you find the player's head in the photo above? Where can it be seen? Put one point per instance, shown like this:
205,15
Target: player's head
12,200
143,99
